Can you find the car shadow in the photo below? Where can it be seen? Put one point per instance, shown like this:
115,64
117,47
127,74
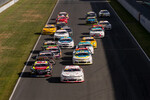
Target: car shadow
35,51
66,61
81,18
54,80
24,74
68,53
38,33
82,24
29,63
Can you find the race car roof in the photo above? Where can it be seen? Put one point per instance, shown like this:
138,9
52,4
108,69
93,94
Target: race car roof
49,25
105,21
72,67
49,42
41,62
52,47
84,42
90,12
88,38
65,38
81,49
63,13
61,30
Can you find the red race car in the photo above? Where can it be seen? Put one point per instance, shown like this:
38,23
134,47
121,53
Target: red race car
62,19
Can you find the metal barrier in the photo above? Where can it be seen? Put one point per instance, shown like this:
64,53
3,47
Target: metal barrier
4,7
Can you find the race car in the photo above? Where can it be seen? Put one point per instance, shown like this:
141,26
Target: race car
59,25
86,45
56,50
91,40
68,29
104,13
62,19
82,57
91,20
49,29
64,14
66,42
98,26
48,43
105,24
91,14
60,33
72,73
97,33
41,69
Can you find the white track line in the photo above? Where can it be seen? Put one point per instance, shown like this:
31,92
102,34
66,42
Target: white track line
130,34
30,57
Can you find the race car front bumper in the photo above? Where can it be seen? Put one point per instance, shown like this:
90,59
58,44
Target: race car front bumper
82,62
72,80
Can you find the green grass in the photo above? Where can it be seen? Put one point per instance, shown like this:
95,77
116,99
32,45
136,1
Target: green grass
138,31
19,24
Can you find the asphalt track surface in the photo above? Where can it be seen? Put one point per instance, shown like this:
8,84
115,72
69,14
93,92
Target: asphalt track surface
120,71
3,2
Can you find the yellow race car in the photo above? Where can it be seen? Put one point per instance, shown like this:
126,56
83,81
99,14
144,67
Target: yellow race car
49,29
91,40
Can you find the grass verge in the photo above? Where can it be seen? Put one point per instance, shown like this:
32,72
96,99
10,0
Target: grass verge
20,25
137,30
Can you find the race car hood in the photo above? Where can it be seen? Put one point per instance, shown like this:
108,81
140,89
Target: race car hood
65,41
91,20
41,67
96,32
81,56
76,73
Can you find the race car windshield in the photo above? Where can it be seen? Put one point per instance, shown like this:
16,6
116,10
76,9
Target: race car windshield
65,40
45,55
61,18
96,30
69,30
91,15
104,23
89,39
53,49
104,11
40,65
61,32
62,14
49,27
81,46
98,26
82,54
50,43
71,70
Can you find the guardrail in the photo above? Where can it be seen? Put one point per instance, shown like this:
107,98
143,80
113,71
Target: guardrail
7,5
136,14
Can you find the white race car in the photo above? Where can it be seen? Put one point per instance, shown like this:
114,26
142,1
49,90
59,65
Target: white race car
91,14
97,32
104,13
82,57
60,33
72,73
66,42
105,24
86,45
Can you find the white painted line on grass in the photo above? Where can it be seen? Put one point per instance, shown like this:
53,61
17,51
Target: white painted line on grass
30,57
130,33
